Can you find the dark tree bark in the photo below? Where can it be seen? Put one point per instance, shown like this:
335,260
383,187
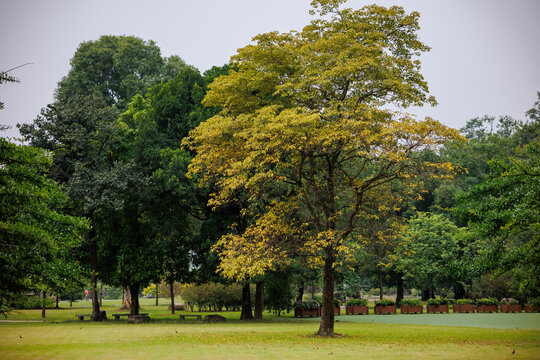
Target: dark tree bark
327,317
459,291
171,288
300,295
71,299
134,292
431,289
42,304
246,313
57,307
101,293
399,295
259,301
425,294
157,294
96,313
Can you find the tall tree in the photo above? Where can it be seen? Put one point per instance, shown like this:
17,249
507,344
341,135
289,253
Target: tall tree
35,235
303,112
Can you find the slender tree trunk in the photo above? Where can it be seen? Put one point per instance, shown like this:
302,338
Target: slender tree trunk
259,301
42,295
171,288
246,313
157,294
96,313
380,286
326,327
101,293
71,299
399,295
134,292
300,295
57,300
431,289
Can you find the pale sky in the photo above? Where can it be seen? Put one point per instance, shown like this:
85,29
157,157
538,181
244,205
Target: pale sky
485,56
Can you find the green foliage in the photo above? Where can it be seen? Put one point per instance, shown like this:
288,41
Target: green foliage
22,301
212,296
464,302
115,68
438,301
509,301
487,301
150,289
427,252
534,301
277,291
310,304
36,239
356,302
410,302
385,302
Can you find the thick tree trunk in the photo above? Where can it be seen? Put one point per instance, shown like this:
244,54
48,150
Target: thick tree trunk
326,327
259,300
96,313
425,294
431,289
246,313
42,304
157,294
300,295
134,293
399,295
459,291
171,288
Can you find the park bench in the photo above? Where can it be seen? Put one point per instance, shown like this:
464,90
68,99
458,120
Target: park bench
117,316
183,317
81,317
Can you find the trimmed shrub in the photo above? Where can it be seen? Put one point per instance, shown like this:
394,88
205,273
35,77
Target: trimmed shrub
464,302
356,302
487,301
385,302
410,302
438,301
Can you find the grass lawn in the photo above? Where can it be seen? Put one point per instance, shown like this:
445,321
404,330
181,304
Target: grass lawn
61,336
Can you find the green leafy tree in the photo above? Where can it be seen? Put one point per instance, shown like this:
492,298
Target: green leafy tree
303,112
428,249
36,238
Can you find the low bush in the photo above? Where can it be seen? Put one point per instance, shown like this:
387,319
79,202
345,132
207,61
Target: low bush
212,296
487,301
533,301
310,304
438,301
357,302
509,301
411,302
385,302
30,302
464,302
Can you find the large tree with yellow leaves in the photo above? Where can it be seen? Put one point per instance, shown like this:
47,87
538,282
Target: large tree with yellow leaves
304,137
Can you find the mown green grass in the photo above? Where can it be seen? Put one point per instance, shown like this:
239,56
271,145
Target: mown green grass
61,336
259,340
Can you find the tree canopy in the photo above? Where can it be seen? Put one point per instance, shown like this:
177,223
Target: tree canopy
303,120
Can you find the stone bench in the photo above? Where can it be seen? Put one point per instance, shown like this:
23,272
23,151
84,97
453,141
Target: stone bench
117,316
183,317
81,317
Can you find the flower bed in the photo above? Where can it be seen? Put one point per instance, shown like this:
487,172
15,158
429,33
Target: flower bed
356,307
309,308
385,306
438,305
411,307
509,305
487,305
464,306
533,305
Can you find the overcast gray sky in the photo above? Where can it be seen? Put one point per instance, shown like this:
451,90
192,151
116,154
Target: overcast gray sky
485,56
